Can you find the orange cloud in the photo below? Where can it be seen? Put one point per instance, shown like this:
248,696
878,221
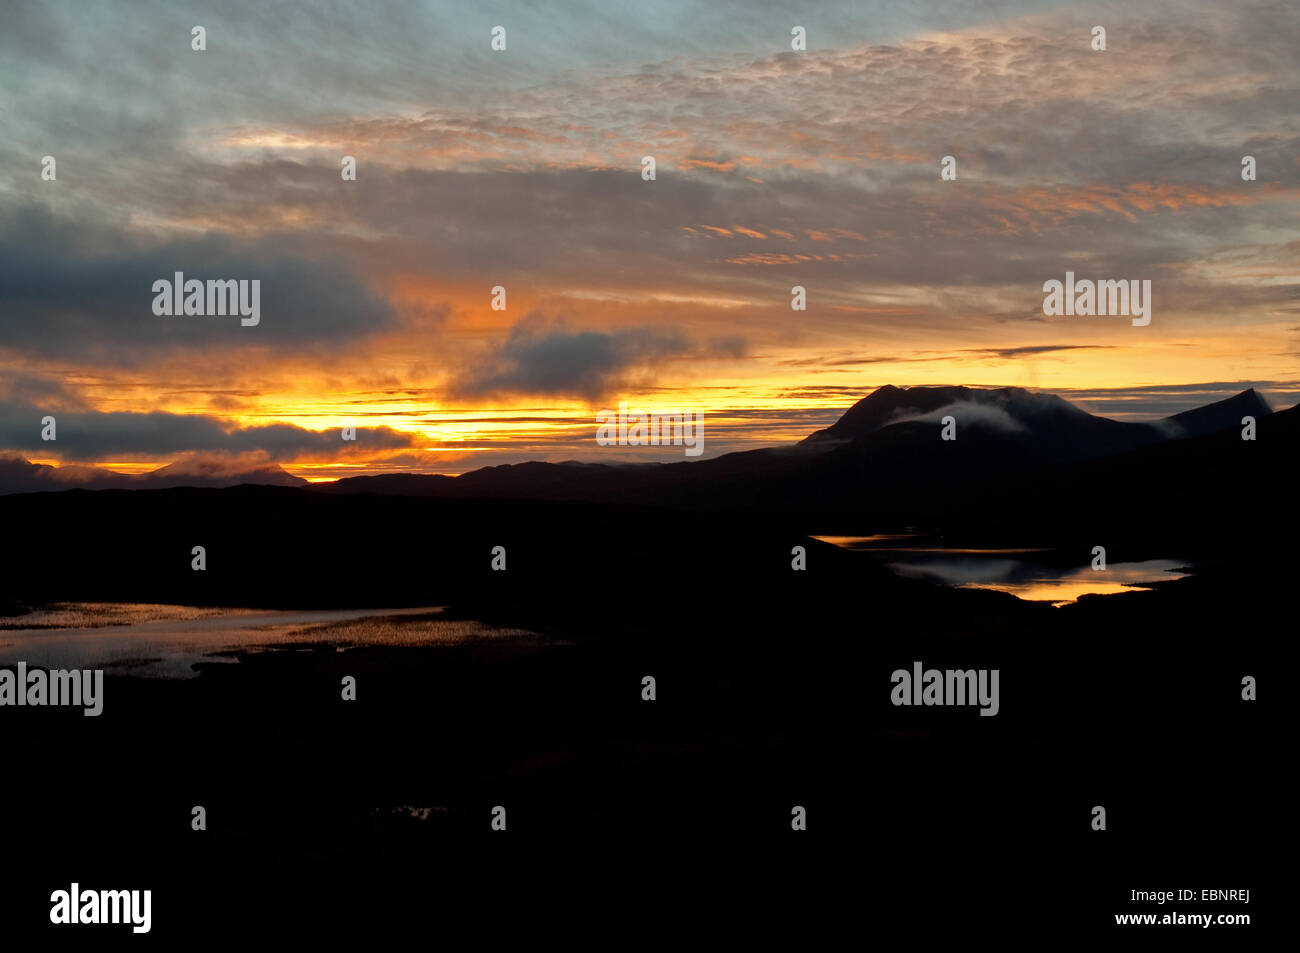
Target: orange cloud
707,164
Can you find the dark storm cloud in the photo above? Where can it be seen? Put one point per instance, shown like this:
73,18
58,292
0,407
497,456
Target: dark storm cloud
36,390
542,356
88,436
81,292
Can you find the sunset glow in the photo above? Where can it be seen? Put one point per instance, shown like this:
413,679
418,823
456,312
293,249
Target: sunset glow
671,294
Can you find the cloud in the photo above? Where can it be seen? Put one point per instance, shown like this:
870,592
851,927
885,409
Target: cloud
492,176
1010,353
90,436
37,390
524,169
542,357
83,291
969,413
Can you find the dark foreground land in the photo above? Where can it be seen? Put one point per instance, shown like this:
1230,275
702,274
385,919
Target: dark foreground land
773,691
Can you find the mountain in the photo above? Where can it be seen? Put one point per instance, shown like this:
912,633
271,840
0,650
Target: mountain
886,446
1028,429
890,405
1014,408
217,473
889,443
1214,494
1221,415
18,475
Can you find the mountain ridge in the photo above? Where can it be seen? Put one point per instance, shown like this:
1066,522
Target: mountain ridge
19,475
887,440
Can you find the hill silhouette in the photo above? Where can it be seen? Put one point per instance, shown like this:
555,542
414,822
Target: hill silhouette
774,683
887,443
403,539
18,475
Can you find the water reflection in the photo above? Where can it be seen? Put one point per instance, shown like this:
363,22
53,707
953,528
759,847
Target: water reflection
1037,580
166,641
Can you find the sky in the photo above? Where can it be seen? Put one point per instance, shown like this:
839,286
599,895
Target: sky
522,169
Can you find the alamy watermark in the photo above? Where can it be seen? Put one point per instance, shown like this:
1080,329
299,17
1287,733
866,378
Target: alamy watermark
103,906
84,687
221,296
684,429
1086,298
948,687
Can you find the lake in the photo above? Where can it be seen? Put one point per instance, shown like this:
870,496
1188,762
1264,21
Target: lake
165,641
1036,575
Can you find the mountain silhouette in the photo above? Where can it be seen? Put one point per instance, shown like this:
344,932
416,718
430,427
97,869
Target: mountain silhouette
1221,415
1008,407
1193,495
765,665
889,442
18,475
1016,409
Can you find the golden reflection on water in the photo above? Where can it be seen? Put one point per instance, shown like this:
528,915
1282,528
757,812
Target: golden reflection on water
1001,570
1064,589
1057,592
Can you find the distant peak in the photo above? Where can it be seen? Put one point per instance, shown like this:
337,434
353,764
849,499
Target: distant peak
1252,395
1220,415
